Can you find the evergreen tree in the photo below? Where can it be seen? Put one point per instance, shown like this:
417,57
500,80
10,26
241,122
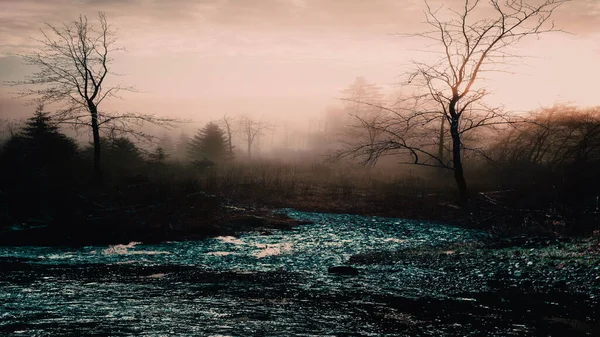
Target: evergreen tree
37,170
209,143
167,145
40,143
180,153
158,156
120,155
121,149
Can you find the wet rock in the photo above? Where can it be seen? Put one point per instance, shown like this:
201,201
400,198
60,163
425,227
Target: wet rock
560,285
343,270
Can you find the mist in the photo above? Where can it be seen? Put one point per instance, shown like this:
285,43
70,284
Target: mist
300,167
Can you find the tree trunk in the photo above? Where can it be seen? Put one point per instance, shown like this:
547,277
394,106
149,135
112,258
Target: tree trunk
441,141
96,137
249,149
459,176
229,144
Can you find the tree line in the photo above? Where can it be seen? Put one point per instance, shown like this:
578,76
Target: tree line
443,98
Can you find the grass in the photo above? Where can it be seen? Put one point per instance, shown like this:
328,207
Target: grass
500,204
157,201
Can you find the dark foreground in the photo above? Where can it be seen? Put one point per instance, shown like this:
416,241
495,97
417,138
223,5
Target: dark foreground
415,279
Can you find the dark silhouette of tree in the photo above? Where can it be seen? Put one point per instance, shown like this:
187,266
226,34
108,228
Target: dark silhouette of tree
209,143
74,61
555,136
158,156
40,142
446,91
228,121
121,155
38,167
122,149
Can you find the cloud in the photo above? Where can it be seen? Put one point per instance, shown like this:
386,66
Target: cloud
187,25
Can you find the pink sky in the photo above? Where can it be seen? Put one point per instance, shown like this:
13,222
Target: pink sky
200,59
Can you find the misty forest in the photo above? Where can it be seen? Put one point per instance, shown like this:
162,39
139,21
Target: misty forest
305,168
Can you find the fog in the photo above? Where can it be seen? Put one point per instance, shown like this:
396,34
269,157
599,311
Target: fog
287,61
453,162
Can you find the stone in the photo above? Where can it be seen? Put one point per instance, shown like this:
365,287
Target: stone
343,270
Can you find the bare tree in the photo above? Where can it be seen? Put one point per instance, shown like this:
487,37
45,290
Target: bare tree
252,129
445,90
73,63
555,136
228,121
8,128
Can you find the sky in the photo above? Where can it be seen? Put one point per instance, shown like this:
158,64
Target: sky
289,59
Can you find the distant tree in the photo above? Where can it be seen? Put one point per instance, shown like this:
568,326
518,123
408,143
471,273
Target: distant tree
167,145
7,129
554,137
158,156
180,148
252,129
121,155
228,121
209,143
74,61
359,92
122,149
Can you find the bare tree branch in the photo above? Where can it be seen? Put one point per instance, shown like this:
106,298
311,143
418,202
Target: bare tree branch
445,92
73,63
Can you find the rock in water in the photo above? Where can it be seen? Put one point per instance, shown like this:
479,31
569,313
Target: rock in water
343,270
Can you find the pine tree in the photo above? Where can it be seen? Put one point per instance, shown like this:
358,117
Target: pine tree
180,152
38,169
209,143
167,145
158,156
40,142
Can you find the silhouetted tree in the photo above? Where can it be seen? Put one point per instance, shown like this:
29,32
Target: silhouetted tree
209,143
252,129
121,155
158,156
555,136
446,91
228,121
40,143
74,62
38,168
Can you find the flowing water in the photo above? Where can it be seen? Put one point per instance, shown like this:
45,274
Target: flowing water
252,285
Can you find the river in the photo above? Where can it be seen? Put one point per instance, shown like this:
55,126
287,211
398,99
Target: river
257,284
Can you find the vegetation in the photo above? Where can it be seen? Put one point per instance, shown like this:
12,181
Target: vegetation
38,171
534,173
209,143
445,94
528,261
74,64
